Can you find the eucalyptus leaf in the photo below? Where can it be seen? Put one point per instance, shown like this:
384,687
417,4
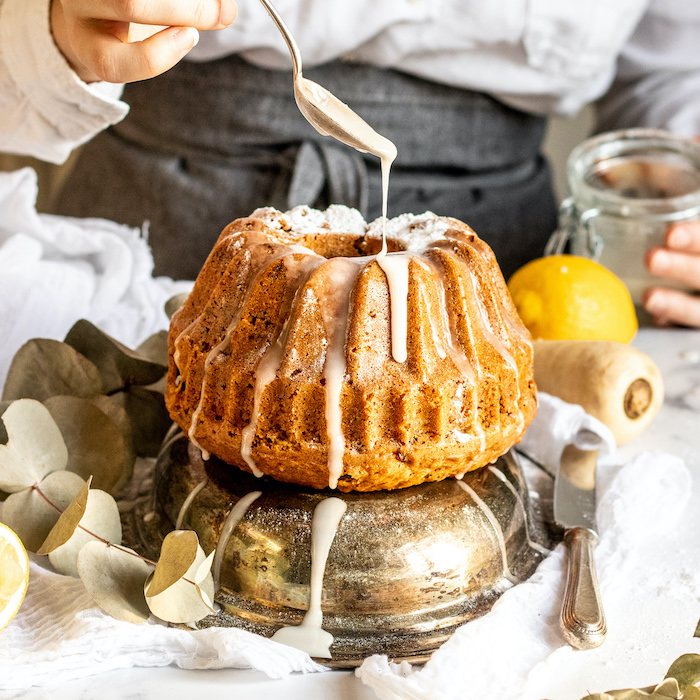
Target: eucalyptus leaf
28,513
668,688
184,600
686,670
4,405
115,577
67,522
119,366
149,418
35,446
175,303
691,693
100,520
96,445
204,569
114,410
42,368
155,348
697,630
177,554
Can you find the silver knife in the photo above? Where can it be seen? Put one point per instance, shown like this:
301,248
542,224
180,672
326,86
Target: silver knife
582,617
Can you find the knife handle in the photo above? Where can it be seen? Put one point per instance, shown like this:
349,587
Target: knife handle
582,617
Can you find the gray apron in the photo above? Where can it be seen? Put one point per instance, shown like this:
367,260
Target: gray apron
206,143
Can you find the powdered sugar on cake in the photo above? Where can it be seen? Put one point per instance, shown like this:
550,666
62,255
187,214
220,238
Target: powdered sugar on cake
415,231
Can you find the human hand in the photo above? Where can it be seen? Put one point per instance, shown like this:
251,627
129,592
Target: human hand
93,35
679,260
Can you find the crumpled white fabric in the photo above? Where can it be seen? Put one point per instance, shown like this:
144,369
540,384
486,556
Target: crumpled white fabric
56,270
493,657
60,635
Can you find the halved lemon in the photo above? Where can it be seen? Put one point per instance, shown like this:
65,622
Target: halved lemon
14,574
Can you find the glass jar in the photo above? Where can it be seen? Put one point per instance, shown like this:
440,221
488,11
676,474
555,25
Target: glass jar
626,188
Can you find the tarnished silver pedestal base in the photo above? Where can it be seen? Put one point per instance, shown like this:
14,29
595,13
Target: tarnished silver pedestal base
406,567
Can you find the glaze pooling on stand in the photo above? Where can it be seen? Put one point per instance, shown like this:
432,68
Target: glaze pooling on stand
310,636
235,516
498,530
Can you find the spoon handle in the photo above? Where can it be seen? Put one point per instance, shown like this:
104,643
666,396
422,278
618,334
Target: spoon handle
287,35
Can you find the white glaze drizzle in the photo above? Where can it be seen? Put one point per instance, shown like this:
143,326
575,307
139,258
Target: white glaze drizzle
266,372
232,519
395,267
501,349
496,528
459,358
186,504
336,312
282,252
310,636
534,545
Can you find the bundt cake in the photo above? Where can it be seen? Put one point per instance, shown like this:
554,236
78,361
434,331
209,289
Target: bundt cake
304,355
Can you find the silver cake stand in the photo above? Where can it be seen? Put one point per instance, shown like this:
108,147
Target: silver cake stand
405,570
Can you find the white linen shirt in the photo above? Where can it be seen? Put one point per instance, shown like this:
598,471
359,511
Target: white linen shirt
541,56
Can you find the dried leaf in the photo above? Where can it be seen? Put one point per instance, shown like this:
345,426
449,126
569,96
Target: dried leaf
31,517
686,670
67,522
115,577
4,405
668,688
100,520
204,569
149,418
42,368
691,693
177,554
183,600
697,630
96,446
118,415
174,303
663,691
155,348
34,448
119,366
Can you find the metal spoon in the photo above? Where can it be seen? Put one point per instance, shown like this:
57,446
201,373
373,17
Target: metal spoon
325,112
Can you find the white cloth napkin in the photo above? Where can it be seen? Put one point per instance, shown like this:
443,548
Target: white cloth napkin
56,270
497,656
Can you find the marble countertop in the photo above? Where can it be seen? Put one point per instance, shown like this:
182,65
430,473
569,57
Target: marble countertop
620,663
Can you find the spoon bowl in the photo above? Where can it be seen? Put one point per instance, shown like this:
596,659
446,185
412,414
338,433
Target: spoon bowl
324,111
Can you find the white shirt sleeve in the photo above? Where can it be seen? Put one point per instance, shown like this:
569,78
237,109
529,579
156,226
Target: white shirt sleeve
45,109
658,77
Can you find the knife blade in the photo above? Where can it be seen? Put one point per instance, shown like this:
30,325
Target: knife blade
582,618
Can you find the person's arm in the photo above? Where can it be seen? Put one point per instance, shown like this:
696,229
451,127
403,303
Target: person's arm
658,85
62,64
45,109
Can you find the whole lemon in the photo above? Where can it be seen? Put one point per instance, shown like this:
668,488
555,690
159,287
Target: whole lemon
567,297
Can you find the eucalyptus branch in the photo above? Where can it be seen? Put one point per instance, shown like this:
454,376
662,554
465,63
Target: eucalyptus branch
102,539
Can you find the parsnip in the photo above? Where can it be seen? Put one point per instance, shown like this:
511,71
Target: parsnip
614,382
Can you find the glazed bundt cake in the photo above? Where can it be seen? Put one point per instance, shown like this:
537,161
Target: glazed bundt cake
303,355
